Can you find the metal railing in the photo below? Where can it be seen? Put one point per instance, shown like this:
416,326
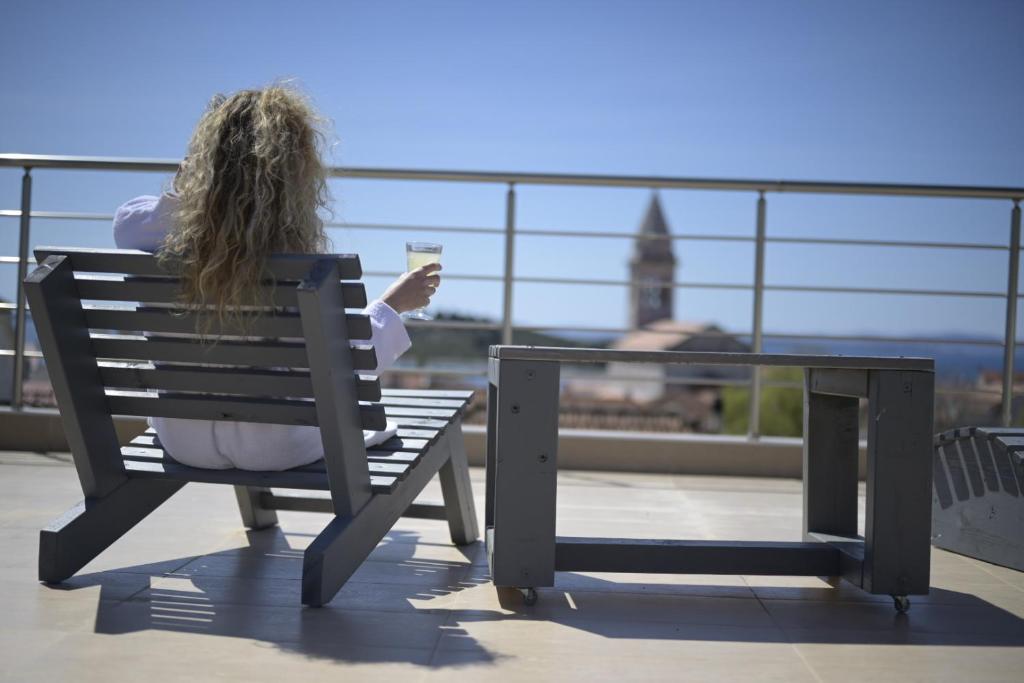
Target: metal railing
510,231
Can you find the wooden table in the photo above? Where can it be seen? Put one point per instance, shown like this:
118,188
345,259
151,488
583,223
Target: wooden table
892,557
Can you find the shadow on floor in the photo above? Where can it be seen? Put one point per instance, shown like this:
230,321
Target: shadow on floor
387,613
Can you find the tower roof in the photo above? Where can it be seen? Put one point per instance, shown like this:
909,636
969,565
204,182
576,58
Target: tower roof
654,223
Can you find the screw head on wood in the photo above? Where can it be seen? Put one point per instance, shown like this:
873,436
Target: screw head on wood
543,457
530,374
515,408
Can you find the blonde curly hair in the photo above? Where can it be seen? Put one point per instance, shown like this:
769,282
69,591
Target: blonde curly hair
252,184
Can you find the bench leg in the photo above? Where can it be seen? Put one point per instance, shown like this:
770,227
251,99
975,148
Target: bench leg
343,545
74,539
457,490
254,515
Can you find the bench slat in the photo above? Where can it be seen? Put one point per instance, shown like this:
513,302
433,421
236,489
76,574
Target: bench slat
132,262
242,381
249,353
290,479
379,465
444,414
167,291
410,402
162,320
241,409
431,393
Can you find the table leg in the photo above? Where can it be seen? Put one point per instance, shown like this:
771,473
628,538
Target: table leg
897,532
525,466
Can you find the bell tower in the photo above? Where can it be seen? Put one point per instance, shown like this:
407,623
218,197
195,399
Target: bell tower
652,269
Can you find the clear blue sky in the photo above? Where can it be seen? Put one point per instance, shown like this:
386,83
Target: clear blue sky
919,92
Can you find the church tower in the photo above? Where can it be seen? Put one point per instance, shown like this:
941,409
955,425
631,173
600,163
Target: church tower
652,269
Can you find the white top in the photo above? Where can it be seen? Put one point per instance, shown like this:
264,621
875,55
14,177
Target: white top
142,223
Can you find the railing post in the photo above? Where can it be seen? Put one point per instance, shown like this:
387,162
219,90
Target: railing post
19,325
755,380
510,248
1010,341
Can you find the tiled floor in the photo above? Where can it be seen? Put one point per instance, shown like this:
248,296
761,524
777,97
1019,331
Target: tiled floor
190,596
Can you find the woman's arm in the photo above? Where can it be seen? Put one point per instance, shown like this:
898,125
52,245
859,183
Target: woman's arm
409,292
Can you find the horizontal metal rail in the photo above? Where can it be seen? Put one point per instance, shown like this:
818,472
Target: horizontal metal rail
511,231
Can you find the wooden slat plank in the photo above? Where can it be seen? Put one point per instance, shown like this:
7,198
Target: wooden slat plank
696,557
410,402
174,350
419,423
289,479
206,407
413,433
219,408
444,414
162,320
166,291
431,393
133,262
242,381
392,468
247,353
234,381
547,353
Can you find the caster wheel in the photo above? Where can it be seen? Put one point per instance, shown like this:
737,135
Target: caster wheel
902,603
529,596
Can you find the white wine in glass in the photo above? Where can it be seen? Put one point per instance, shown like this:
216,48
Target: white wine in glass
419,254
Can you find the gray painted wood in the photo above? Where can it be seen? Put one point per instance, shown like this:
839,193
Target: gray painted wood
464,395
830,461
64,338
526,460
75,538
310,504
270,354
490,461
346,541
133,262
899,483
546,353
169,321
300,478
457,490
240,381
213,407
409,402
851,555
987,524
398,468
254,515
167,291
337,407
695,557
839,382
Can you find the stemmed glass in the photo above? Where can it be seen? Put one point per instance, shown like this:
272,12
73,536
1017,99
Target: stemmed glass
419,254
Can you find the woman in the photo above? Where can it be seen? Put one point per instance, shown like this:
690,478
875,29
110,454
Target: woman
252,184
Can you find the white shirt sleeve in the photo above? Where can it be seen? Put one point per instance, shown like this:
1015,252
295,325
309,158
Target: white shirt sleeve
389,338
142,223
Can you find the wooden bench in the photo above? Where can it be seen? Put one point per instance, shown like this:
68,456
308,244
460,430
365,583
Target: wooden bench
892,557
145,359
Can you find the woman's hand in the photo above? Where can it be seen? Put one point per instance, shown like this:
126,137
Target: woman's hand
414,289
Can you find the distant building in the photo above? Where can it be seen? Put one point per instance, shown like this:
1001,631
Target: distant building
654,391
651,313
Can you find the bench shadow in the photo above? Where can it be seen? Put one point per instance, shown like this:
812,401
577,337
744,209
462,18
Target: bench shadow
383,614
398,607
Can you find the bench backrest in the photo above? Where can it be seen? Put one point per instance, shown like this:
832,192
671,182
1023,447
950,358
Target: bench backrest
117,342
